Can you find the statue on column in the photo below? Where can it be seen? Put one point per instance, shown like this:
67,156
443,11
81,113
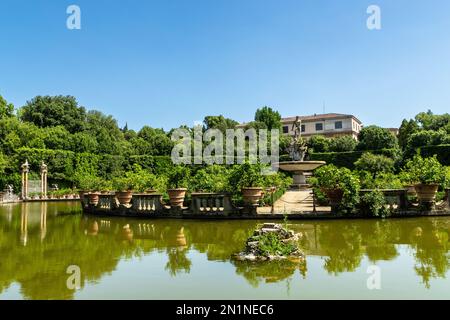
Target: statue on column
44,179
25,170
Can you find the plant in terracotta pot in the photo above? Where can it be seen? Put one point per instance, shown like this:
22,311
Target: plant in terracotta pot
177,181
212,178
124,186
96,184
145,181
248,179
340,185
426,174
87,183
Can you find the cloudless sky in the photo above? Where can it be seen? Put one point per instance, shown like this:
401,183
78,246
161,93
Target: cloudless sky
170,62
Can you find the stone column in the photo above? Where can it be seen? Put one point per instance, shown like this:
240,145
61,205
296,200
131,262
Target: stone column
447,193
44,180
25,170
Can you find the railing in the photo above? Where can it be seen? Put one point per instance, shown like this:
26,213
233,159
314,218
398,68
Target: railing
107,202
447,198
147,202
211,203
396,198
85,200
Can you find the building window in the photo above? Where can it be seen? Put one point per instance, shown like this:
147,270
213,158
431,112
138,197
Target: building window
286,129
319,126
338,125
303,128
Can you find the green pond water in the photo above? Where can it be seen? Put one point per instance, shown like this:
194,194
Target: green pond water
122,258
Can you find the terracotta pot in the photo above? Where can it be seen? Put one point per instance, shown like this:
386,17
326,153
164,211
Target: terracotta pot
176,197
334,195
124,197
252,195
93,198
426,193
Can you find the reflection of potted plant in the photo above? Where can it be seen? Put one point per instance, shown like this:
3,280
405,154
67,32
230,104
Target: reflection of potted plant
426,174
123,187
177,183
248,178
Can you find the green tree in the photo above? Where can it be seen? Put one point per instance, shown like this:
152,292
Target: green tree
406,130
319,144
425,138
430,121
154,141
219,122
375,164
6,109
270,117
48,111
342,144
376,138
257,125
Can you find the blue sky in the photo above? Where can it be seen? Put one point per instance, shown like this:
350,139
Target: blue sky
170,62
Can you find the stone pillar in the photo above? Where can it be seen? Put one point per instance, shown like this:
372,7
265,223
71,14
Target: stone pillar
25,170
44,180
447,194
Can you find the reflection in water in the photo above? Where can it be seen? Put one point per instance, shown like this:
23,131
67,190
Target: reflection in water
269,271
39,241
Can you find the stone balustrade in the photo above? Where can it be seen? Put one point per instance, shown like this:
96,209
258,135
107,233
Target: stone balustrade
393,197
107,202
447,197
85,200
147,202
211,203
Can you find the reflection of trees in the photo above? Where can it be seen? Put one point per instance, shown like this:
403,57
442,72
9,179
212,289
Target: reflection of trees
268,271
96,245
432,257
380,238
178,261
343,247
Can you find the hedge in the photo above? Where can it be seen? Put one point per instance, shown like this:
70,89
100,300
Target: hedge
441,151
348,159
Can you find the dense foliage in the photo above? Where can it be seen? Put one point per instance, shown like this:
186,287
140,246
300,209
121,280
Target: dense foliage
86,149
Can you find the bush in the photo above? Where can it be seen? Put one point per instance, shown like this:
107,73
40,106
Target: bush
142,180
342,144
381,181
319,144
374,164
245,175
280,181
178,177
373,204
447,178
374,138
331,177
210,179
442,153
426,138
348,159
270,244
424,170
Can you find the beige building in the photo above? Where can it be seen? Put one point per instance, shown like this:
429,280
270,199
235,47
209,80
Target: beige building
329,125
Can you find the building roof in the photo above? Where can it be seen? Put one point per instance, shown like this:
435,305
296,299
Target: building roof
321,117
